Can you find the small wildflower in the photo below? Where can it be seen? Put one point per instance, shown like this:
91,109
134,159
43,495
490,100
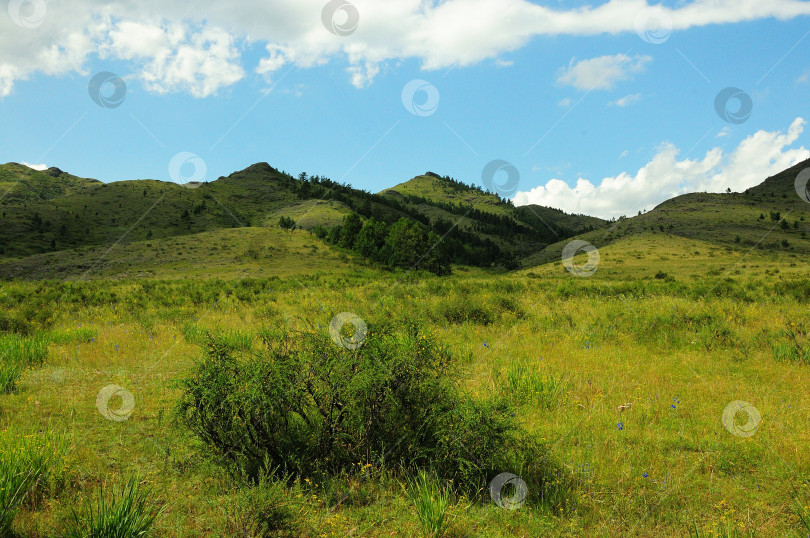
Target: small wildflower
620,425
645,475
485,345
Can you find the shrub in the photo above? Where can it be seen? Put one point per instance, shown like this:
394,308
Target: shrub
306,406
123,515
464,309
286,223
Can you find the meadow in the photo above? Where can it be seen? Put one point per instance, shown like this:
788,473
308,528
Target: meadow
676,328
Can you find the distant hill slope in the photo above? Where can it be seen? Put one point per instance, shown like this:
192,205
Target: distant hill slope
227,253
769,217
53,211
20,184
517,230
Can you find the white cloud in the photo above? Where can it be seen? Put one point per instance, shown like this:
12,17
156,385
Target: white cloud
725,131
759,156
601,73
177,58
196,48
39,167
565,102
624,154
626,100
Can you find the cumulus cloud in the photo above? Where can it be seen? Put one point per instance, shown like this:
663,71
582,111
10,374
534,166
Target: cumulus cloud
627,100
760,155
39,167
196,47
601,73
177,58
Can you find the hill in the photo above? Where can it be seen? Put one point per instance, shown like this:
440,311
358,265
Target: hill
770,217
52,211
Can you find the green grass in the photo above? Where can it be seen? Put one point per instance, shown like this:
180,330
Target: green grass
564,351
113,514
431,501
28,460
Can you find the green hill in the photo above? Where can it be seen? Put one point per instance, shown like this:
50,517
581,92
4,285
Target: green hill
770,217
52,211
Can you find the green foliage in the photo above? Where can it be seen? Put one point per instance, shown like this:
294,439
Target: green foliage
124,514
286,223
371,239
352,223
306,406
406,243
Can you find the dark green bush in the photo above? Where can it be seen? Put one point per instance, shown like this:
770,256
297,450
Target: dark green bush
309,407
465,309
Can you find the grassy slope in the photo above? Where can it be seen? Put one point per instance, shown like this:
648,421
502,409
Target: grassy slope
434,188
545,219
222,253
692,344
719,219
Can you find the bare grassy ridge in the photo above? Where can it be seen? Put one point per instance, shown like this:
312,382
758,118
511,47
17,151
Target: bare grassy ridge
565,351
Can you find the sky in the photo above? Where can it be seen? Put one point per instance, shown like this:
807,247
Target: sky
601,108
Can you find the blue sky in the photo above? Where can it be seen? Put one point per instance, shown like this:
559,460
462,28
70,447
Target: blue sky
595,119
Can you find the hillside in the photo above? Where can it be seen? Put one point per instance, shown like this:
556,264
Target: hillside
770,217
52,211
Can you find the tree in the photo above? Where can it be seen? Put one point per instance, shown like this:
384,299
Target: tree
286,223
352,224
409,245
371,239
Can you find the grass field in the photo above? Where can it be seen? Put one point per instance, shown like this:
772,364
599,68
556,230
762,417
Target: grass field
675,327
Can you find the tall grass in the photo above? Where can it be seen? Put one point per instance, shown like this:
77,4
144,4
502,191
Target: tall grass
17,353
523,384
801,500
431,501
124,514
26,462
